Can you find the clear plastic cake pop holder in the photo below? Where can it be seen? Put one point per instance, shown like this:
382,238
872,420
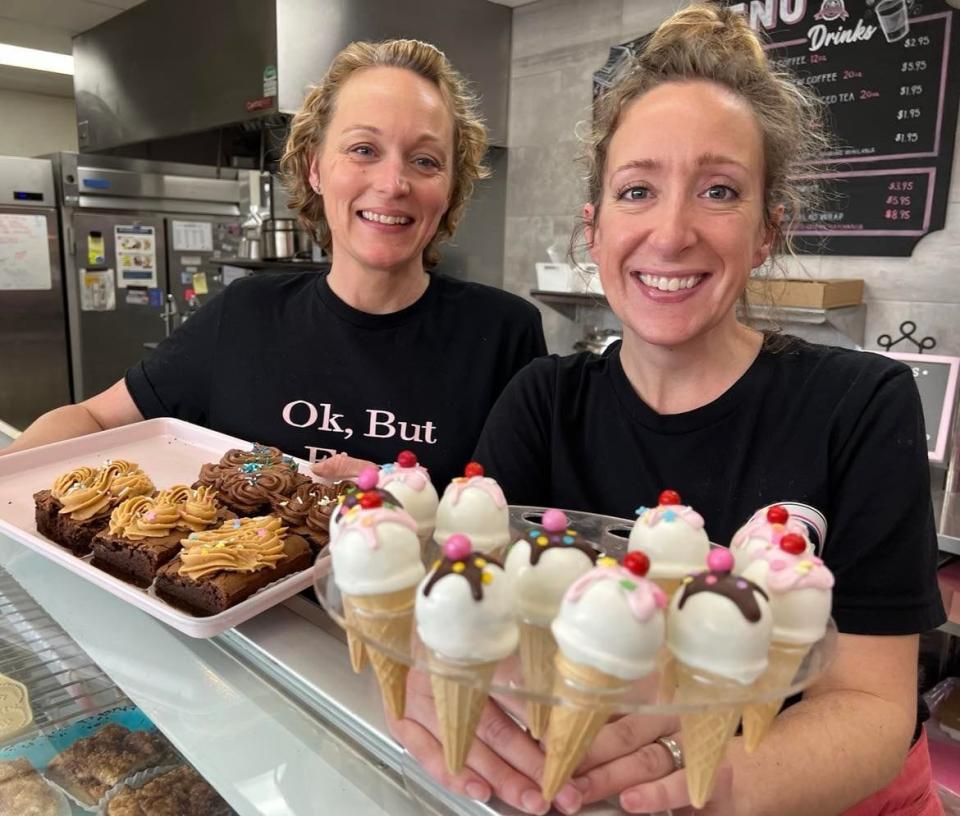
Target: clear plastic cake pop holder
653,695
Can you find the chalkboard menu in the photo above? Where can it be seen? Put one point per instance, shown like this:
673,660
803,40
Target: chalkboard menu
936,379
889,72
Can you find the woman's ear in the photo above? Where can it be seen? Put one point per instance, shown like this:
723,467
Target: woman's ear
315,177
770,231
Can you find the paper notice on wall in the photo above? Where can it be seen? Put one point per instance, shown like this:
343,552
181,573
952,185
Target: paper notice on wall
200,283
192,236
24,252
98,291
136,247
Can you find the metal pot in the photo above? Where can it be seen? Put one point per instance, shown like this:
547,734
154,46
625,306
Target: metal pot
304,242
278,239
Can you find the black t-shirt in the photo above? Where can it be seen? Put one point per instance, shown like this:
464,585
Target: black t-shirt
279,359
839,430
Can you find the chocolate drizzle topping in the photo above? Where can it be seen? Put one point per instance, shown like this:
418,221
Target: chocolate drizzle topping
541,540
471,568
352,498
737,589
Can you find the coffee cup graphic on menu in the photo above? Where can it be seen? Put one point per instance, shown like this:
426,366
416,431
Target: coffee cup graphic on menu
893,19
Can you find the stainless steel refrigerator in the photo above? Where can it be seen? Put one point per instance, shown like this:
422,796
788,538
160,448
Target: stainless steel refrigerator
141,241
34,364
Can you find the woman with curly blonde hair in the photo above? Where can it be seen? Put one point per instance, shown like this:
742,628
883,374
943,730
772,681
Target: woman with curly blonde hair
380,354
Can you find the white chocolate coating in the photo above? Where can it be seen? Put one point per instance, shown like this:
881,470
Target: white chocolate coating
379,557
674,546
540,587
801,612
477,509
452,623
598,627
710,633
419,503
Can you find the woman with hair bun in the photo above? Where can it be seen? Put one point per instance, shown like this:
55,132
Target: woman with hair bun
691,187
381,353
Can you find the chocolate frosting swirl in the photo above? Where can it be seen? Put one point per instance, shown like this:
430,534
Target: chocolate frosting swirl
735,588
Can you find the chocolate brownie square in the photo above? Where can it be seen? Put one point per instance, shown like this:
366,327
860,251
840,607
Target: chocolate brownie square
73,534
91,766
23,792
47,514
218,591
180,792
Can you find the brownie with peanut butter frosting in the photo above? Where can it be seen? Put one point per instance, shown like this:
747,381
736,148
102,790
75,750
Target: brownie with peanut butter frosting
219,568
179,792
144,533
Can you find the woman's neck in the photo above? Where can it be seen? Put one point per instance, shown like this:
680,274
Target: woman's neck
683,378
377,291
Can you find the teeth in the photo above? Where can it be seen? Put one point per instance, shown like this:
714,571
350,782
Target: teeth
369,215
670,284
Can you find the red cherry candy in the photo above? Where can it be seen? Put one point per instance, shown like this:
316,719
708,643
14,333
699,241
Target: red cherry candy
637,562
473,469
777,514
669,497
407,459
368,501
793,544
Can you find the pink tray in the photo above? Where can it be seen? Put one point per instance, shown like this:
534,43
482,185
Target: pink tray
171,452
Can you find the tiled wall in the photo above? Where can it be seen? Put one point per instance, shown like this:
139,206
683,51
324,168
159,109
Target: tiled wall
557,45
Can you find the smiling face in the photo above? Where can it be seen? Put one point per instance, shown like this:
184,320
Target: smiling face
681,220
385,169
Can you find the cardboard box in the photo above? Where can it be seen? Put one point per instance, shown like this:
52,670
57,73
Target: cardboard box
824,293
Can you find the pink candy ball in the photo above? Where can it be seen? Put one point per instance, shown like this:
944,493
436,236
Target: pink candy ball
554,521
367,480
720,560
457,547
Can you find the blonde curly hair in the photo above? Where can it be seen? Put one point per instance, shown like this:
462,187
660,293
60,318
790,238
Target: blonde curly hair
309,127
706,41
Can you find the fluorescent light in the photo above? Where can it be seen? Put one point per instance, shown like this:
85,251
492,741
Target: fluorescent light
35,59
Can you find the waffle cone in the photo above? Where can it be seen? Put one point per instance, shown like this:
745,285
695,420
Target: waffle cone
537,650
588,696
358,656
784,661
459,691
668,585
386,619
705,735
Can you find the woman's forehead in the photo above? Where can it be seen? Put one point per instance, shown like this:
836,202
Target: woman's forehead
385,94
686,123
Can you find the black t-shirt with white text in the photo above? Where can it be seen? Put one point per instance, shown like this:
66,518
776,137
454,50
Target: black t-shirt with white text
279,359
838,430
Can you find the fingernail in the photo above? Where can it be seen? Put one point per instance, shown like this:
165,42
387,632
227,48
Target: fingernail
532,802
475,790
569,799
631,802
582,784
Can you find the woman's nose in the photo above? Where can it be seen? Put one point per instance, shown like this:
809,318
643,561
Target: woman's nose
673,228
392,178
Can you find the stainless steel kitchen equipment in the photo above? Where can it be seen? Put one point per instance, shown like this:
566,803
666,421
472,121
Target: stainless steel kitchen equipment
141,244
34,365
278,239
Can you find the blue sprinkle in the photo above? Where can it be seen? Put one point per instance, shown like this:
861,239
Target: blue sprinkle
534,534
640,510
236,523
388,468
568,539
251,467
193,535
669,515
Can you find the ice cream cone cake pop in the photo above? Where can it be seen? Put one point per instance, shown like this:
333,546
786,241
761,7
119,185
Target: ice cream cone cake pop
474,505
800,590
466,618
718,629
763,533
541,567
608,631
409,482
376,566
672,536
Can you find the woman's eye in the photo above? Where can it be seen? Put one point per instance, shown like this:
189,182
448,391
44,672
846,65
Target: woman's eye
362,150
721,192
427,163
635,193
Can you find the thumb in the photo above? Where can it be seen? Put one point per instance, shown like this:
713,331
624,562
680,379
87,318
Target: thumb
339,466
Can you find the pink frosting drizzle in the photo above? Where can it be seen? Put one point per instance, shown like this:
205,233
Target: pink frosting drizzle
643,600
652,516
484,483
366,521
416,477
759,527
789,572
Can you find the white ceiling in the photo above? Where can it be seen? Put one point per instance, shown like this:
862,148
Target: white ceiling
49,25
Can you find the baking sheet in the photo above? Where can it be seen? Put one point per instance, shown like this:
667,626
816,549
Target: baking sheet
171,452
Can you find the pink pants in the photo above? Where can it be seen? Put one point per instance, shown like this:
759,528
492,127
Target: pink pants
912,793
